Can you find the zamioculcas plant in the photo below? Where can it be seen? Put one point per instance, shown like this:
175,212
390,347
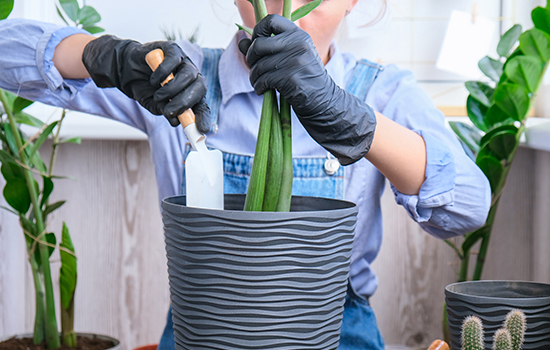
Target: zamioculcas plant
21,167
270,186
498,110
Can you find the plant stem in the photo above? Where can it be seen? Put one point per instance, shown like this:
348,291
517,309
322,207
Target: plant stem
287,9
274,162
51,332
256,188
55,144
485,241
285,193
67,325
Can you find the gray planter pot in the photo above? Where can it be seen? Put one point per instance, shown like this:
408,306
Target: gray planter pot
492,300
117,345
258,280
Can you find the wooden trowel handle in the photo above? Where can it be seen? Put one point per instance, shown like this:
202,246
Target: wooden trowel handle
154,59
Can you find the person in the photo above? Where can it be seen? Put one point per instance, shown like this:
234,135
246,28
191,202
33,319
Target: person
373,119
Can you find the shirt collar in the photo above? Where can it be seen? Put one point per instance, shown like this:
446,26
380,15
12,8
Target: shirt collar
234,73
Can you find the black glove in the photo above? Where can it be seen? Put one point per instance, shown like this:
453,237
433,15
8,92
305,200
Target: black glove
288,62
114,62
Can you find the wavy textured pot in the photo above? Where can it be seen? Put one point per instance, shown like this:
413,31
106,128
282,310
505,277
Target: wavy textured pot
117,345
258,280
492,300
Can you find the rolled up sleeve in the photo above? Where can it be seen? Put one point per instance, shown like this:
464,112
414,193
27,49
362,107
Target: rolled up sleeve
455,196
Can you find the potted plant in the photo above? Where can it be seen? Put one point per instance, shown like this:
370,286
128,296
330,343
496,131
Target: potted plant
498,109
266,271
29,185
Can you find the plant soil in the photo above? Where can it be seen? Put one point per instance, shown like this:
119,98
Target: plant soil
82,343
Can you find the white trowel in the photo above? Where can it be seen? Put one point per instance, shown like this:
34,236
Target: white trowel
203,167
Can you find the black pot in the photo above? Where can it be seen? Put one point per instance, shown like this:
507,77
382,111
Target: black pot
492,300
258,280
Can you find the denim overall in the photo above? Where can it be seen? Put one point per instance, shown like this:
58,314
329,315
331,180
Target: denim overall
318,177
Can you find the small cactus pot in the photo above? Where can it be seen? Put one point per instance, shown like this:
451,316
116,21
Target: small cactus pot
258,280
491,301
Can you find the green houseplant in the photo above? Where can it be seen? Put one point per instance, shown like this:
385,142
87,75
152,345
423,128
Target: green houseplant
29,185
498,109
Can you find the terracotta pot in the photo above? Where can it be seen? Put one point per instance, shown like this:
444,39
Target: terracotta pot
258,280
147,347
492,300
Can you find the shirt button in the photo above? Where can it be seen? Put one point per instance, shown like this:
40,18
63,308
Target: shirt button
331,166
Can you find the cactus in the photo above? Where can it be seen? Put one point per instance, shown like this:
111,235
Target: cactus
472,334
515,323
509,337
502,340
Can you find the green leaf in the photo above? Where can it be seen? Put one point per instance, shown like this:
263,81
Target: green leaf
10,98
61,15
43,136
501,141
38,163
11,140
525,71
17,195
68,276
11,170
472,238
476,112
6,6
27,119
304,10
541,19
20,104
492,169
77,140
93,29
491,68
6,157
480,91
50,208
512,101
246,29
71,8
50,238
508,40
535,42
467,134
48,188
88,16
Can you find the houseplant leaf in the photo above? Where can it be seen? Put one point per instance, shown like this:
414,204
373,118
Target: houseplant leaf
88,16
6,6
40,140
467,134
541,19
535,42
27,119
50,208
71,8
492,168
304,10
61,15
476,112
20,104
10,139
67,278
491,68
93,29
508,40
48,188
512,100
17,195
502,142
77,140
525,71
480,91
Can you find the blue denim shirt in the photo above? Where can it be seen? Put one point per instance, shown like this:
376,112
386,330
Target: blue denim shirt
454,198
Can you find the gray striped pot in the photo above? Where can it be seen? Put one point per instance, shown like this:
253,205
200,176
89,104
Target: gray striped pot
492,300
258,280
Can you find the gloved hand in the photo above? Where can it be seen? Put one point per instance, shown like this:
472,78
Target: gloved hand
114,62
288,62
